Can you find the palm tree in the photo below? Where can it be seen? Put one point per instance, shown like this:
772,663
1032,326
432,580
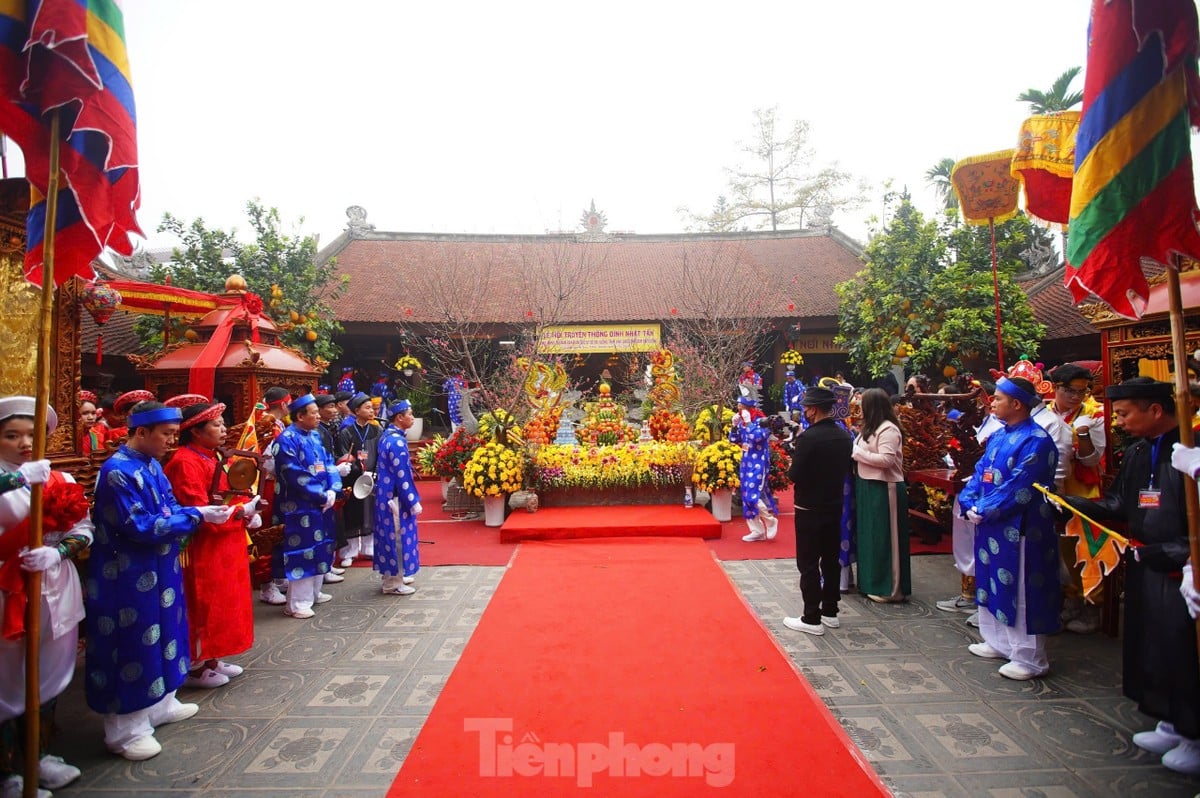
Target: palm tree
938,176
1057,98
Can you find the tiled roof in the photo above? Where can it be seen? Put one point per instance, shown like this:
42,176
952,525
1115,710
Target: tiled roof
629,278
1053,307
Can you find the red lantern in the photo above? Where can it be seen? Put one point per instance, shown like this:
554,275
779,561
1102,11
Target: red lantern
101,301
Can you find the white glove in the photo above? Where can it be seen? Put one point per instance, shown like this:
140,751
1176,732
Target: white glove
35,472
268,464
1188,589
251,507
417,509
973,516
394,506
1083,425
330,498
343,469
1185,459
39,559
254,522
216,513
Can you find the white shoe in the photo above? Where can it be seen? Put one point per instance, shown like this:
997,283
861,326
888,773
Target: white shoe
333,569
753,537
301,614
1160,740
973,619
332,579
229,669
322,598
956,604
178,712
271,595
408,580
831,621
54,773
347,562
141,748
399,590
798,625
207,679
1011,670
1184,758
772,527
985,651
14,787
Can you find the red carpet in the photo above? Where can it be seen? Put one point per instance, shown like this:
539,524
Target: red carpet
629,520
627,667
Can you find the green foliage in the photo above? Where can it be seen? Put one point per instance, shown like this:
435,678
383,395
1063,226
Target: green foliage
421,396
927,293
1057,99
275,259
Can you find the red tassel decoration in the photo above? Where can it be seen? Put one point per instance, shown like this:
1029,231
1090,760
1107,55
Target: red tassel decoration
99,346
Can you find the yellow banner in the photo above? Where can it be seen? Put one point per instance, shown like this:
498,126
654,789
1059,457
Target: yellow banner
583,339
819,344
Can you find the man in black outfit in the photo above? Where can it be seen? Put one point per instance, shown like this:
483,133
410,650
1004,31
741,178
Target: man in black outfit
820,465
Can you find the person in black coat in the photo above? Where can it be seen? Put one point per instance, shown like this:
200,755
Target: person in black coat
820,465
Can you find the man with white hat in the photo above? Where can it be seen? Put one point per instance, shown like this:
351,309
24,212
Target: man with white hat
137,632
64,538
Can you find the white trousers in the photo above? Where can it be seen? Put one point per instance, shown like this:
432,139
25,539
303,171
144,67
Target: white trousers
765,523
962,536
121,730
301,593
1014,642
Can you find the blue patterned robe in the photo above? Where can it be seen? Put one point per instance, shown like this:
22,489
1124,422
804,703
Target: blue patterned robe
793,392
1002,491
394,480
755,465
452,386
304,471
137,633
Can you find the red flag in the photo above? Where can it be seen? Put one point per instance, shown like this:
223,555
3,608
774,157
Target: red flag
1133,195
69,56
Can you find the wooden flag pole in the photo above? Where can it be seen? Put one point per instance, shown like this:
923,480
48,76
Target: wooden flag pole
1183,412
33,579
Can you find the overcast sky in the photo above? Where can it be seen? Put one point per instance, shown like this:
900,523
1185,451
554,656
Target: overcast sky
510,117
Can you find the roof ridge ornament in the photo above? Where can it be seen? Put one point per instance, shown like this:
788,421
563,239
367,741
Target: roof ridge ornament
356,220
593,222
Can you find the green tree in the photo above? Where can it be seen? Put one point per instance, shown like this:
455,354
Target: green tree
779,185
280,268
938,176
1057,99
936,311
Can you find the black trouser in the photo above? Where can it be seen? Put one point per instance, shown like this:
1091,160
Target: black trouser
818,544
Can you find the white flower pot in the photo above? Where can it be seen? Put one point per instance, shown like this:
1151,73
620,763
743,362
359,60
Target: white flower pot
408,372
493,511
445,488
414,432
722,504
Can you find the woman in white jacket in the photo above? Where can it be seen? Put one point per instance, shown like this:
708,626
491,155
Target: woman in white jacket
882,502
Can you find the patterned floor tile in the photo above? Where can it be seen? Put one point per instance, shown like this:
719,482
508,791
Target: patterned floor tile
297,750
969,734
1024,783
256,693
349,691
1149,780
903,679
858,639
394,649
307,649
834,686
1076,734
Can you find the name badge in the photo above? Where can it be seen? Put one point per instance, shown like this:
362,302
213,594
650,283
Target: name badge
1149,499
991,476
316,468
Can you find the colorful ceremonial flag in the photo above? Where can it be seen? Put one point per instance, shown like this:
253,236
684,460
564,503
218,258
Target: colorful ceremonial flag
1045,163
69,56
1133,195
1099,552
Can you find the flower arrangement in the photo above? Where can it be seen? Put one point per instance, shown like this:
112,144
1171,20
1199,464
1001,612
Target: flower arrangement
621,465
423,459
666,425
452,456
500,425
703,430
494,470
781,461
717,466
791,357
407,361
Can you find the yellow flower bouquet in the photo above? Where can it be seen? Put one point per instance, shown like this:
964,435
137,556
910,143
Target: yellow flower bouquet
791,357
407,361
622,465
494,470
717,467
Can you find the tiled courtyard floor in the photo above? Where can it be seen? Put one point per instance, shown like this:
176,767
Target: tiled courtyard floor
329,707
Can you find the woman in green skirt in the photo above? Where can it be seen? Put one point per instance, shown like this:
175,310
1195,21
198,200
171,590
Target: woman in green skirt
882,501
